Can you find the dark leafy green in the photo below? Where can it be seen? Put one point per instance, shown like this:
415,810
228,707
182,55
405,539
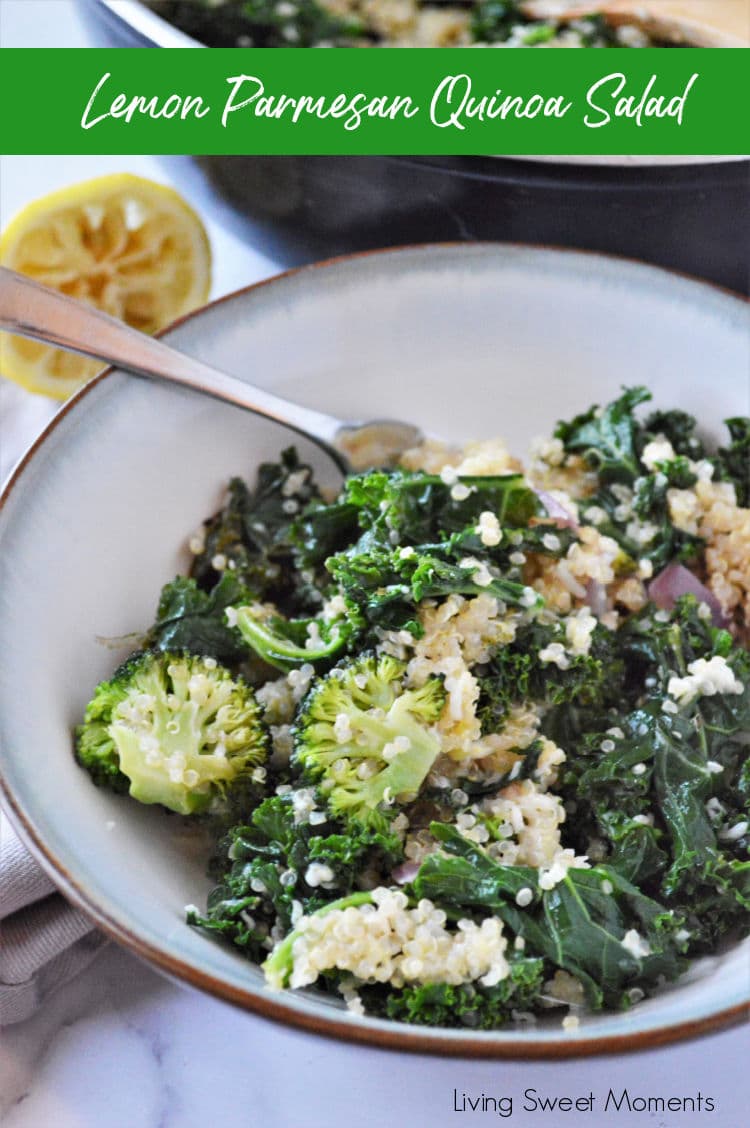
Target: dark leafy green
284,643
260,867
646,788
632,497
385,587
259,23
606,437
421,508
579,925
733,462
252,535
466,1005
679,428
417,538
515,674
191,619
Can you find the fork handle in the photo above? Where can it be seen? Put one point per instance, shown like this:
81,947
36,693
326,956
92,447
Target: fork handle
44,314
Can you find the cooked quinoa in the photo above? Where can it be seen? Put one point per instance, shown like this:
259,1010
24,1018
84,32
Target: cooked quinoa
391,23
507,715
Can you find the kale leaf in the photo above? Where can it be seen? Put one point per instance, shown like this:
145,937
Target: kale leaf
194,620
252,535
465,1005
322,531
261,867
632,498
418,539
679,428
414,508
515,674
578,925
607,437
663,786
733,462
385,586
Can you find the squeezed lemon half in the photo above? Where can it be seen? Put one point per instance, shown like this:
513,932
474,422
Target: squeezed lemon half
128,246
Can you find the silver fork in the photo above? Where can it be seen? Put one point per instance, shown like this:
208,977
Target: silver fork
44,314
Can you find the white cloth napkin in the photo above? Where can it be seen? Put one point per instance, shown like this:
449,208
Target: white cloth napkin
44,941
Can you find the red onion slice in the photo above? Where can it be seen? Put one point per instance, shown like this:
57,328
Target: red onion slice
596,598
406,872
562,517
676,580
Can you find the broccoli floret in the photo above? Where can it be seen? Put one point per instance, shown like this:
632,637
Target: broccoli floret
95,748
366,738
172,729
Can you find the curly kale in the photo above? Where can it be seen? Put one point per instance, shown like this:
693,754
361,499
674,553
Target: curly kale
194,620
606,437
261,868
287,643
252,536
580,925
259,23
661,788
415,508
733,462
586,683
679,428
632,498
383,586
418,539
465,1005
322,531
641,524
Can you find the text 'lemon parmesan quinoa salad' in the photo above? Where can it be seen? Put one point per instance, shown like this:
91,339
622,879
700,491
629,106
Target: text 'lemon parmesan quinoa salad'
401,23
471,740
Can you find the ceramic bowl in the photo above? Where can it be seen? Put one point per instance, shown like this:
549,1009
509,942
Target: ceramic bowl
469,340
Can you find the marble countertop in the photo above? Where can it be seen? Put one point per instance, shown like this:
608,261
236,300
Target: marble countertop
123,1047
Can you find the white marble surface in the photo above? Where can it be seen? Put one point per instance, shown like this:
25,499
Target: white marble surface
122,1047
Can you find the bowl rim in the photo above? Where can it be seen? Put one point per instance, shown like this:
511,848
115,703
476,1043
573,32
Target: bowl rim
380,1034
143,20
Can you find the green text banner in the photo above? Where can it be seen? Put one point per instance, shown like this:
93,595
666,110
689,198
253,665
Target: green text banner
457,101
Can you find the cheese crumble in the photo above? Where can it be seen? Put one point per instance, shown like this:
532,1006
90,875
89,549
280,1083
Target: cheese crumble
705,678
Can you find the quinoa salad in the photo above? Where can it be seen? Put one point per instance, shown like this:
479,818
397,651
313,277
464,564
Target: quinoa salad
470,740
396,23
